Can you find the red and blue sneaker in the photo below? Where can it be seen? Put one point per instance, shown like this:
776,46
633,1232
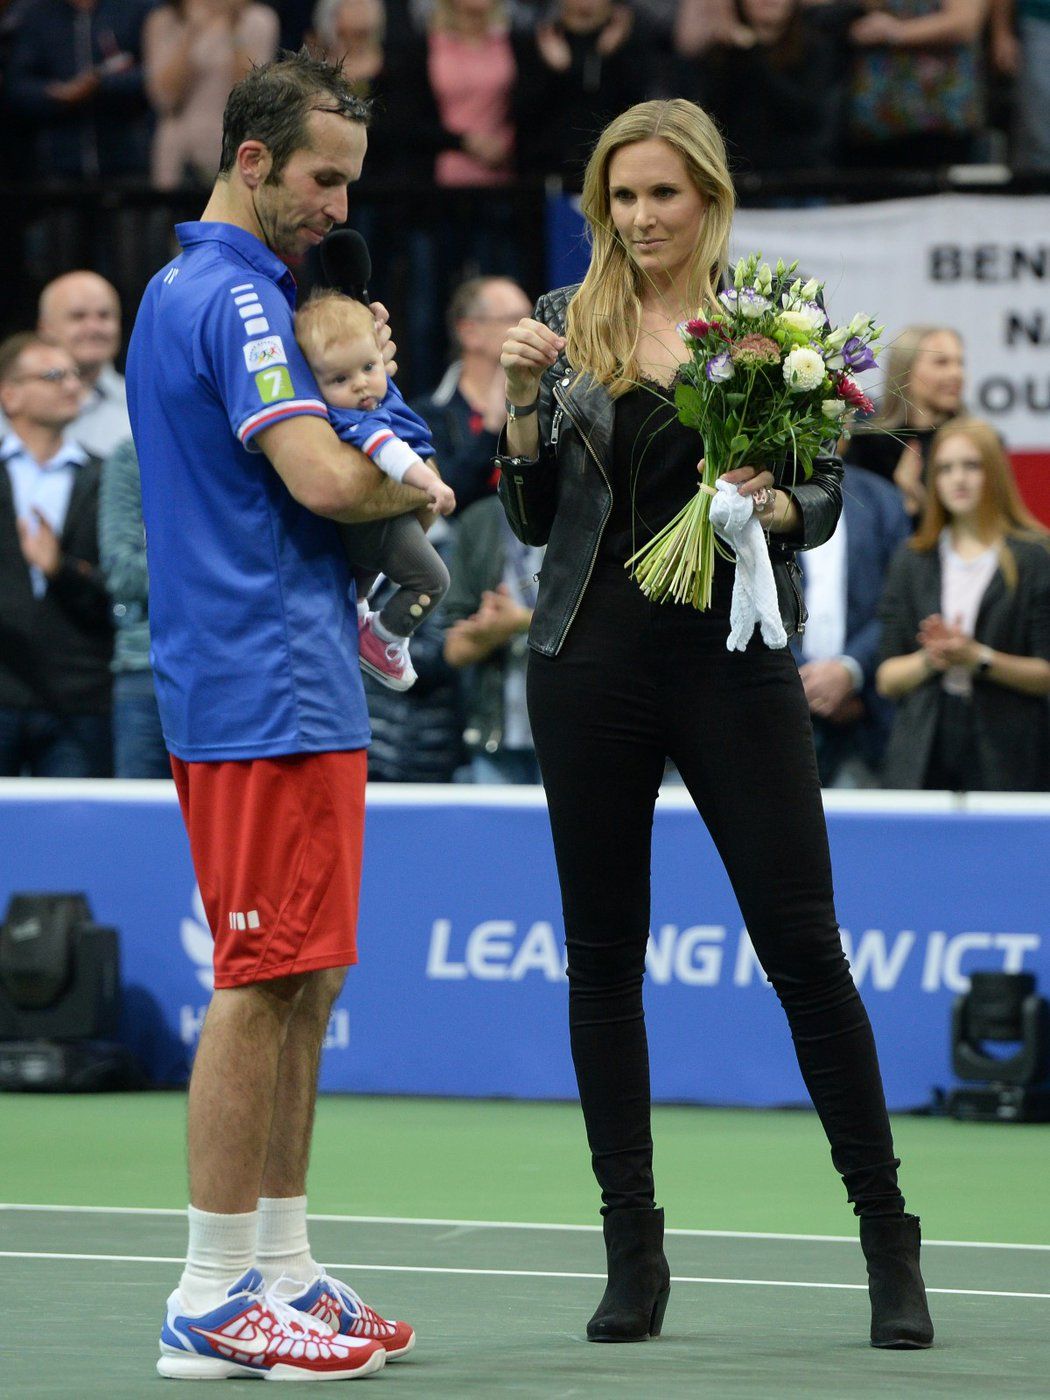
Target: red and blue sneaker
335,1303
254,1334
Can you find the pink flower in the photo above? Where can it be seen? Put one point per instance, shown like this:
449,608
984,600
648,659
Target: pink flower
756,350
854,395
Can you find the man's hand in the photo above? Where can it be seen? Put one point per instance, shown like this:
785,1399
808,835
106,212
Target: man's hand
827,684
497,621
383,334
40,548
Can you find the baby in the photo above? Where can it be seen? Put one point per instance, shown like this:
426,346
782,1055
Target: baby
338,337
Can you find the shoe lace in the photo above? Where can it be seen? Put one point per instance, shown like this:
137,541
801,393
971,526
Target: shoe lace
288,1316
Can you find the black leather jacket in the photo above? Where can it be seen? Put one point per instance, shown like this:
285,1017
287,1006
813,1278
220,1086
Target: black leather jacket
562,497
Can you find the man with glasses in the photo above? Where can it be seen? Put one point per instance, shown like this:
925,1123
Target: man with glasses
54,612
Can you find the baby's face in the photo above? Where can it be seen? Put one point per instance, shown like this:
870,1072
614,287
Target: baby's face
351,374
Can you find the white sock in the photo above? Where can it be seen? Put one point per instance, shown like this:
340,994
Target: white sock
281,1244
384,633
221,1250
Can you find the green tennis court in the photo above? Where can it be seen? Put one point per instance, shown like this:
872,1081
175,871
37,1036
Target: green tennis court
477,1221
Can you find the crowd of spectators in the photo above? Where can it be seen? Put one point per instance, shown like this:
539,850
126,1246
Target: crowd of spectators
925,662
466,91
465,94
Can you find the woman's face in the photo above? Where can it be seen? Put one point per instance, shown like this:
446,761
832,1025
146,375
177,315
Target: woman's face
657,210
958,475
357,18
935,384
767,14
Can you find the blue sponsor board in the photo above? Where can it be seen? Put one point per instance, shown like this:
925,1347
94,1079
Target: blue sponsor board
461,988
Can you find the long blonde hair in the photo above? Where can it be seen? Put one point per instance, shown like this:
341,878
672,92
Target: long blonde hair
1000,512
604,318
900,361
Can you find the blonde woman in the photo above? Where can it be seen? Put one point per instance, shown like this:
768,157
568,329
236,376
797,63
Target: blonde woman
966,629
596,462
925,371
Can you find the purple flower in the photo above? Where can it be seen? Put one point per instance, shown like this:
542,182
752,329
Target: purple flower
857,356
719,369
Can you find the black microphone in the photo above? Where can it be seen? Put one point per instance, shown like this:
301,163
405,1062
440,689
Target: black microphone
347,264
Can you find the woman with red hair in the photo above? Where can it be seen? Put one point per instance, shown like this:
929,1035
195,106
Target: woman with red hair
966,629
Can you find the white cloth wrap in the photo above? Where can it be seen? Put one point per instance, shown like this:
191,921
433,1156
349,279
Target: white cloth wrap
754,588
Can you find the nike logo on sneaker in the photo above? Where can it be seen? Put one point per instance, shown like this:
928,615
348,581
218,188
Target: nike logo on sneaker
254,1343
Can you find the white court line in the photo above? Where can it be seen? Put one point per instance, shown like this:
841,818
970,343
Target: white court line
523,1225
357,1267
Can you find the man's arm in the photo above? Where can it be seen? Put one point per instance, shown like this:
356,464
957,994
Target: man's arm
331,478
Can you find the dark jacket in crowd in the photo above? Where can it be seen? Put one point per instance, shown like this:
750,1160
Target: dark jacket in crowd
876,523
417,733
478,567
558,116
1012,730
463,446
55,650
780,108
562,498
108,133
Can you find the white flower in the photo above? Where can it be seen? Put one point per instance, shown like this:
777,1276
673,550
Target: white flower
801,318
861,326
751,305
837,338
810,290
834,408
719,369
803,370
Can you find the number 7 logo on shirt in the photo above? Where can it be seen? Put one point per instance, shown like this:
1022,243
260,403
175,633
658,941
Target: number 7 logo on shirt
274,384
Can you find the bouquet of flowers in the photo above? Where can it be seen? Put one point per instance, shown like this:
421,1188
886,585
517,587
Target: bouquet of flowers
767,380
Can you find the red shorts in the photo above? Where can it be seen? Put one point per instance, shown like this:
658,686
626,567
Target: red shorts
276,845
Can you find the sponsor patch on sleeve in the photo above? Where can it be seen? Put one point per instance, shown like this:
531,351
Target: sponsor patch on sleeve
260,354
274,384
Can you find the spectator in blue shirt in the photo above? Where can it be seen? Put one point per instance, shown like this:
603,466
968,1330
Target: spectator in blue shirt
254,632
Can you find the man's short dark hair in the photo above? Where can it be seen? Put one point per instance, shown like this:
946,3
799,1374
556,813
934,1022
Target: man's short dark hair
14,347
271,104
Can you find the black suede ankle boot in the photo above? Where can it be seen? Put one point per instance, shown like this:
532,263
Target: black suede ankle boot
632,1308
899,1315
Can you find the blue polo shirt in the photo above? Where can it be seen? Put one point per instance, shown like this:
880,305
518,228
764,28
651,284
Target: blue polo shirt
253,619
367,429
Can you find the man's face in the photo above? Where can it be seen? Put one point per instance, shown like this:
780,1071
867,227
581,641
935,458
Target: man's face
501,305
45,390
309,196
81,312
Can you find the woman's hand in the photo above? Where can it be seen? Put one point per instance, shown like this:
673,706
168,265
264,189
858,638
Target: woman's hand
755,482
947,645
529,349
877,28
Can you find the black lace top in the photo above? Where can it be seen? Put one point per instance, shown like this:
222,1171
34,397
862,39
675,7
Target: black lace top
653,474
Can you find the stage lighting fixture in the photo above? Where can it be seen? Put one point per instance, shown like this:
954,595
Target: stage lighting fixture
60,998
1001,1009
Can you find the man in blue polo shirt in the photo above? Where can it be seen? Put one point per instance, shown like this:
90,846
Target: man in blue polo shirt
254,649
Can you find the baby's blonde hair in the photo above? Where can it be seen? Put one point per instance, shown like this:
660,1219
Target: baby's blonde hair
328,317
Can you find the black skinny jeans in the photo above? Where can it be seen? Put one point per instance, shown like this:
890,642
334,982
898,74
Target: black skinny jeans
637,682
